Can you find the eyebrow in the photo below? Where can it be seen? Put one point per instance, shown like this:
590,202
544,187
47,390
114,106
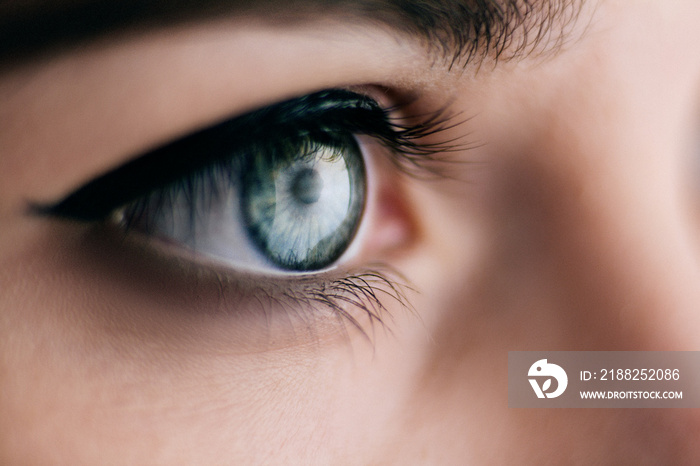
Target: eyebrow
459,29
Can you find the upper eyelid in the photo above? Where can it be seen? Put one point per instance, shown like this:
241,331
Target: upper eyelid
98,198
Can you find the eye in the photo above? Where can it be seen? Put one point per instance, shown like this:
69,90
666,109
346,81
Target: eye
289,204
278,190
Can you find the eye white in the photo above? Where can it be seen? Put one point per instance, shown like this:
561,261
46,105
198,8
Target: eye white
255,214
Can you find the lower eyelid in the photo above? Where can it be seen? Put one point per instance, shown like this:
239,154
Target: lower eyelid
152,290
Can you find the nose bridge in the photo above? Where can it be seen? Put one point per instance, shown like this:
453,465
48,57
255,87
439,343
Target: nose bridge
594,214
600,222
616,273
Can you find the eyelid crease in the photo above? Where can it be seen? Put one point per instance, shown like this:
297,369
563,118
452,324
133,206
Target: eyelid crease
318,114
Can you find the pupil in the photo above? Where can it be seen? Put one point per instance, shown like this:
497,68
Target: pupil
307,186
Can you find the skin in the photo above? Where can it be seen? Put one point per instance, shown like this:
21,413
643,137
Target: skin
574,226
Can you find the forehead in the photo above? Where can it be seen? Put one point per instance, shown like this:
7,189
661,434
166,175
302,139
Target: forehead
458,30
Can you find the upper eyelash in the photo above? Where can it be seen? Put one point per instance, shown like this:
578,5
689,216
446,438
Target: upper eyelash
322,112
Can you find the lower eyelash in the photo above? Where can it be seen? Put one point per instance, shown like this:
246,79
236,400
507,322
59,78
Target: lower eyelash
349,298
364,291
356,298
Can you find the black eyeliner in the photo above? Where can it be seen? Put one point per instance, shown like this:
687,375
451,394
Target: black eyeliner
317,115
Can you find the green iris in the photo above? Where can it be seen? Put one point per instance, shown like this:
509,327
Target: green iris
302,203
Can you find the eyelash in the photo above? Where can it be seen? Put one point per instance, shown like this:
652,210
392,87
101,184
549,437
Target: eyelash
322,113
363,290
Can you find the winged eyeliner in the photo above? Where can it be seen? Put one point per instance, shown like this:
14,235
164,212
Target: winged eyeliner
317,114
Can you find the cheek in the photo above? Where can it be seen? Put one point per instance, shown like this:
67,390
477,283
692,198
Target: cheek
159,372
94,374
